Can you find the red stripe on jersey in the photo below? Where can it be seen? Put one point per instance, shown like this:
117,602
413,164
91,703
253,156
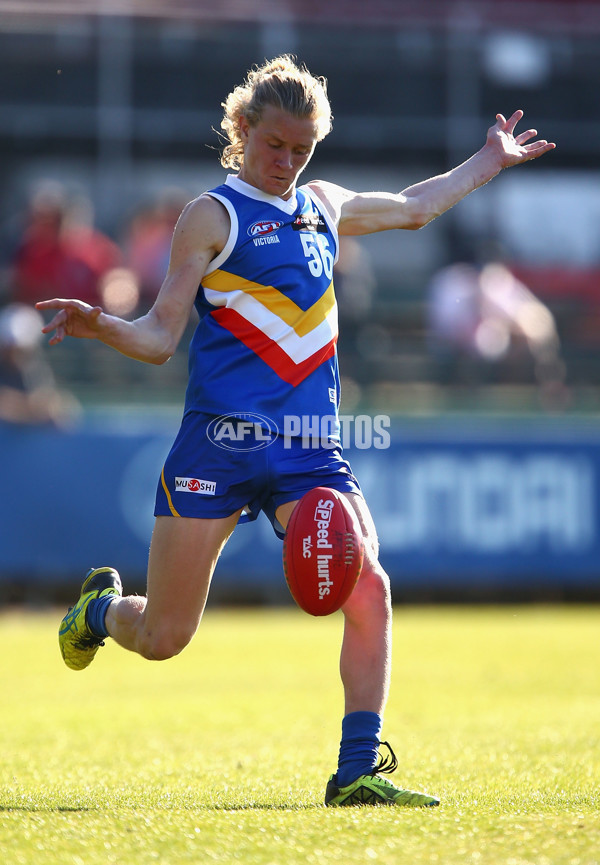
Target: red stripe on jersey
268,350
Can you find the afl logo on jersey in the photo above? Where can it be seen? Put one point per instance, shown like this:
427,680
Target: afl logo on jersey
258,229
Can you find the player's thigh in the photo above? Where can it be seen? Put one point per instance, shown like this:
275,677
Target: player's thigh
367,525
284,512
370,603
363,515
183,555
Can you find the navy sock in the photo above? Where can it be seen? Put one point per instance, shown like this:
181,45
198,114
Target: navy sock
95,615
359,747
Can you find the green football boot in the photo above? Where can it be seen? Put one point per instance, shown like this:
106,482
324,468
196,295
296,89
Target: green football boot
372,789
77,643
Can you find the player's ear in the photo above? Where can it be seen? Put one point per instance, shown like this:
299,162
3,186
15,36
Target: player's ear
244,127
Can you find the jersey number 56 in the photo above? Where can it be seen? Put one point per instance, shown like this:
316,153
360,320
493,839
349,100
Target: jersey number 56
316,250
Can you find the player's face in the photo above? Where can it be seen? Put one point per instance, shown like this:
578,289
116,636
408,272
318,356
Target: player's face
276,150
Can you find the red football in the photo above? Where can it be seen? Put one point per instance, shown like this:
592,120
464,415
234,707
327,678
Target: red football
323,551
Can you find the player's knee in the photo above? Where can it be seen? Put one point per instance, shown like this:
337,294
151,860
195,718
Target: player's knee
164,643
371,593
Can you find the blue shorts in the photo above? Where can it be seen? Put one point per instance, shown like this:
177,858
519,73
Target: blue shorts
243,466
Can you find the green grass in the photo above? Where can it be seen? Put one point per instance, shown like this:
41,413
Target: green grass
222,754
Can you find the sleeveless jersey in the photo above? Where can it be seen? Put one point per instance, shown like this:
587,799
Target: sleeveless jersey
266,341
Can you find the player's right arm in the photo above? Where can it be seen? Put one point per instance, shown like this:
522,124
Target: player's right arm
200,234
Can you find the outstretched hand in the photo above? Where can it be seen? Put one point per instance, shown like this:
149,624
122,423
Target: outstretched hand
74,318
513,149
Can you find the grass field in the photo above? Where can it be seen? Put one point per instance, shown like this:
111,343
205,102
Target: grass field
222,754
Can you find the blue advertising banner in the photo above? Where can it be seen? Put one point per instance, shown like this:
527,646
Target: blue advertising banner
460,504
469,506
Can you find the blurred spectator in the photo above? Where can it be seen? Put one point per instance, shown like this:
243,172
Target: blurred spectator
482,317
120,292
147,241
28,392
355,287
60,253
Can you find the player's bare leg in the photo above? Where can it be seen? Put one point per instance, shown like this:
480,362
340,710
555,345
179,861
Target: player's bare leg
365,660
366,647
365,664
183,555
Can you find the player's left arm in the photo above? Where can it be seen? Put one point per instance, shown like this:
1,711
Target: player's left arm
367,212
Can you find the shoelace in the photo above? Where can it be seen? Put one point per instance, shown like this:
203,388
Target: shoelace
387,764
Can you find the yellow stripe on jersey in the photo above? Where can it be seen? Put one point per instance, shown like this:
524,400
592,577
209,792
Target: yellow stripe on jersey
302,322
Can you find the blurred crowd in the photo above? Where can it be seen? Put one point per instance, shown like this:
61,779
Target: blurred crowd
54,249
481,324
484,326
29,393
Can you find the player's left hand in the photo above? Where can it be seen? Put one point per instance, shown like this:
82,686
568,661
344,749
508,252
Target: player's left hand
511,149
